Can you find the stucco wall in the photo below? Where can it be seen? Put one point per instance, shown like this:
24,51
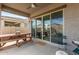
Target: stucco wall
71,24
24,27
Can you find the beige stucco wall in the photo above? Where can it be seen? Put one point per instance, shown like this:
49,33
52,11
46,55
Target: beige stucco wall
71,24
10,30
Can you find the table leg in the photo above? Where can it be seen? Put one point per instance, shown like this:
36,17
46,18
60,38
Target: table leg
17,43
24,40
0,45
31,39
3,44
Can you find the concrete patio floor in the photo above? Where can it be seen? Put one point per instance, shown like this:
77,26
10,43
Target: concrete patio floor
34,48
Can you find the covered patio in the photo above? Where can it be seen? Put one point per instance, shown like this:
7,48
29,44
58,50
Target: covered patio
38,28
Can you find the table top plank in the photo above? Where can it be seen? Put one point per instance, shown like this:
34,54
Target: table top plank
6,35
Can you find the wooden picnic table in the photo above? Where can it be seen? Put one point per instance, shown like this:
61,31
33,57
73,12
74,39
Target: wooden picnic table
5,38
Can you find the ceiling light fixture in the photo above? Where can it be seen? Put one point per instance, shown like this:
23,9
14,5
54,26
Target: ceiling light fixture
33,5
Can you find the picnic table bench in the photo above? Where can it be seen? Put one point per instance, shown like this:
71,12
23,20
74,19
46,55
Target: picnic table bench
5,38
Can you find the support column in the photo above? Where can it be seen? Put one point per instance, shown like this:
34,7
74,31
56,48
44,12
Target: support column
29,24
30,29
0,18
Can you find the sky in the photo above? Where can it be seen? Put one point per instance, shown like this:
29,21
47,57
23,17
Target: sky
3,13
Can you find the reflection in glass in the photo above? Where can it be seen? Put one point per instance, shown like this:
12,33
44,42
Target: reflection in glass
39,28
33,26
46,28
49,29
57,27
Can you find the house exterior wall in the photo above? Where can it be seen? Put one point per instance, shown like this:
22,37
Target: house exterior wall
71,25
10,30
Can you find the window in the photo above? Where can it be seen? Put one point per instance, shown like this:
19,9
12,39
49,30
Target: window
33,26
50,27
9,24
57,27
46,27
39,28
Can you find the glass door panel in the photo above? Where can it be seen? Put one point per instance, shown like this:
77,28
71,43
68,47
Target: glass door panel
39,28
46,27
33,26
57,27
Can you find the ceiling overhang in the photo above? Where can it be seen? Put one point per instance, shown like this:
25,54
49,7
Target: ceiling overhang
48,9
43,10
15,11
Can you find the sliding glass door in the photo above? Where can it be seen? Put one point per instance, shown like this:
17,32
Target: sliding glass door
57,27
39,28
49,27
46,27
33,28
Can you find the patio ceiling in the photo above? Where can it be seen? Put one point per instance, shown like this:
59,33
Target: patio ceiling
23,8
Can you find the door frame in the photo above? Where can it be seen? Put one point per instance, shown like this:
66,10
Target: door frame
50,23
